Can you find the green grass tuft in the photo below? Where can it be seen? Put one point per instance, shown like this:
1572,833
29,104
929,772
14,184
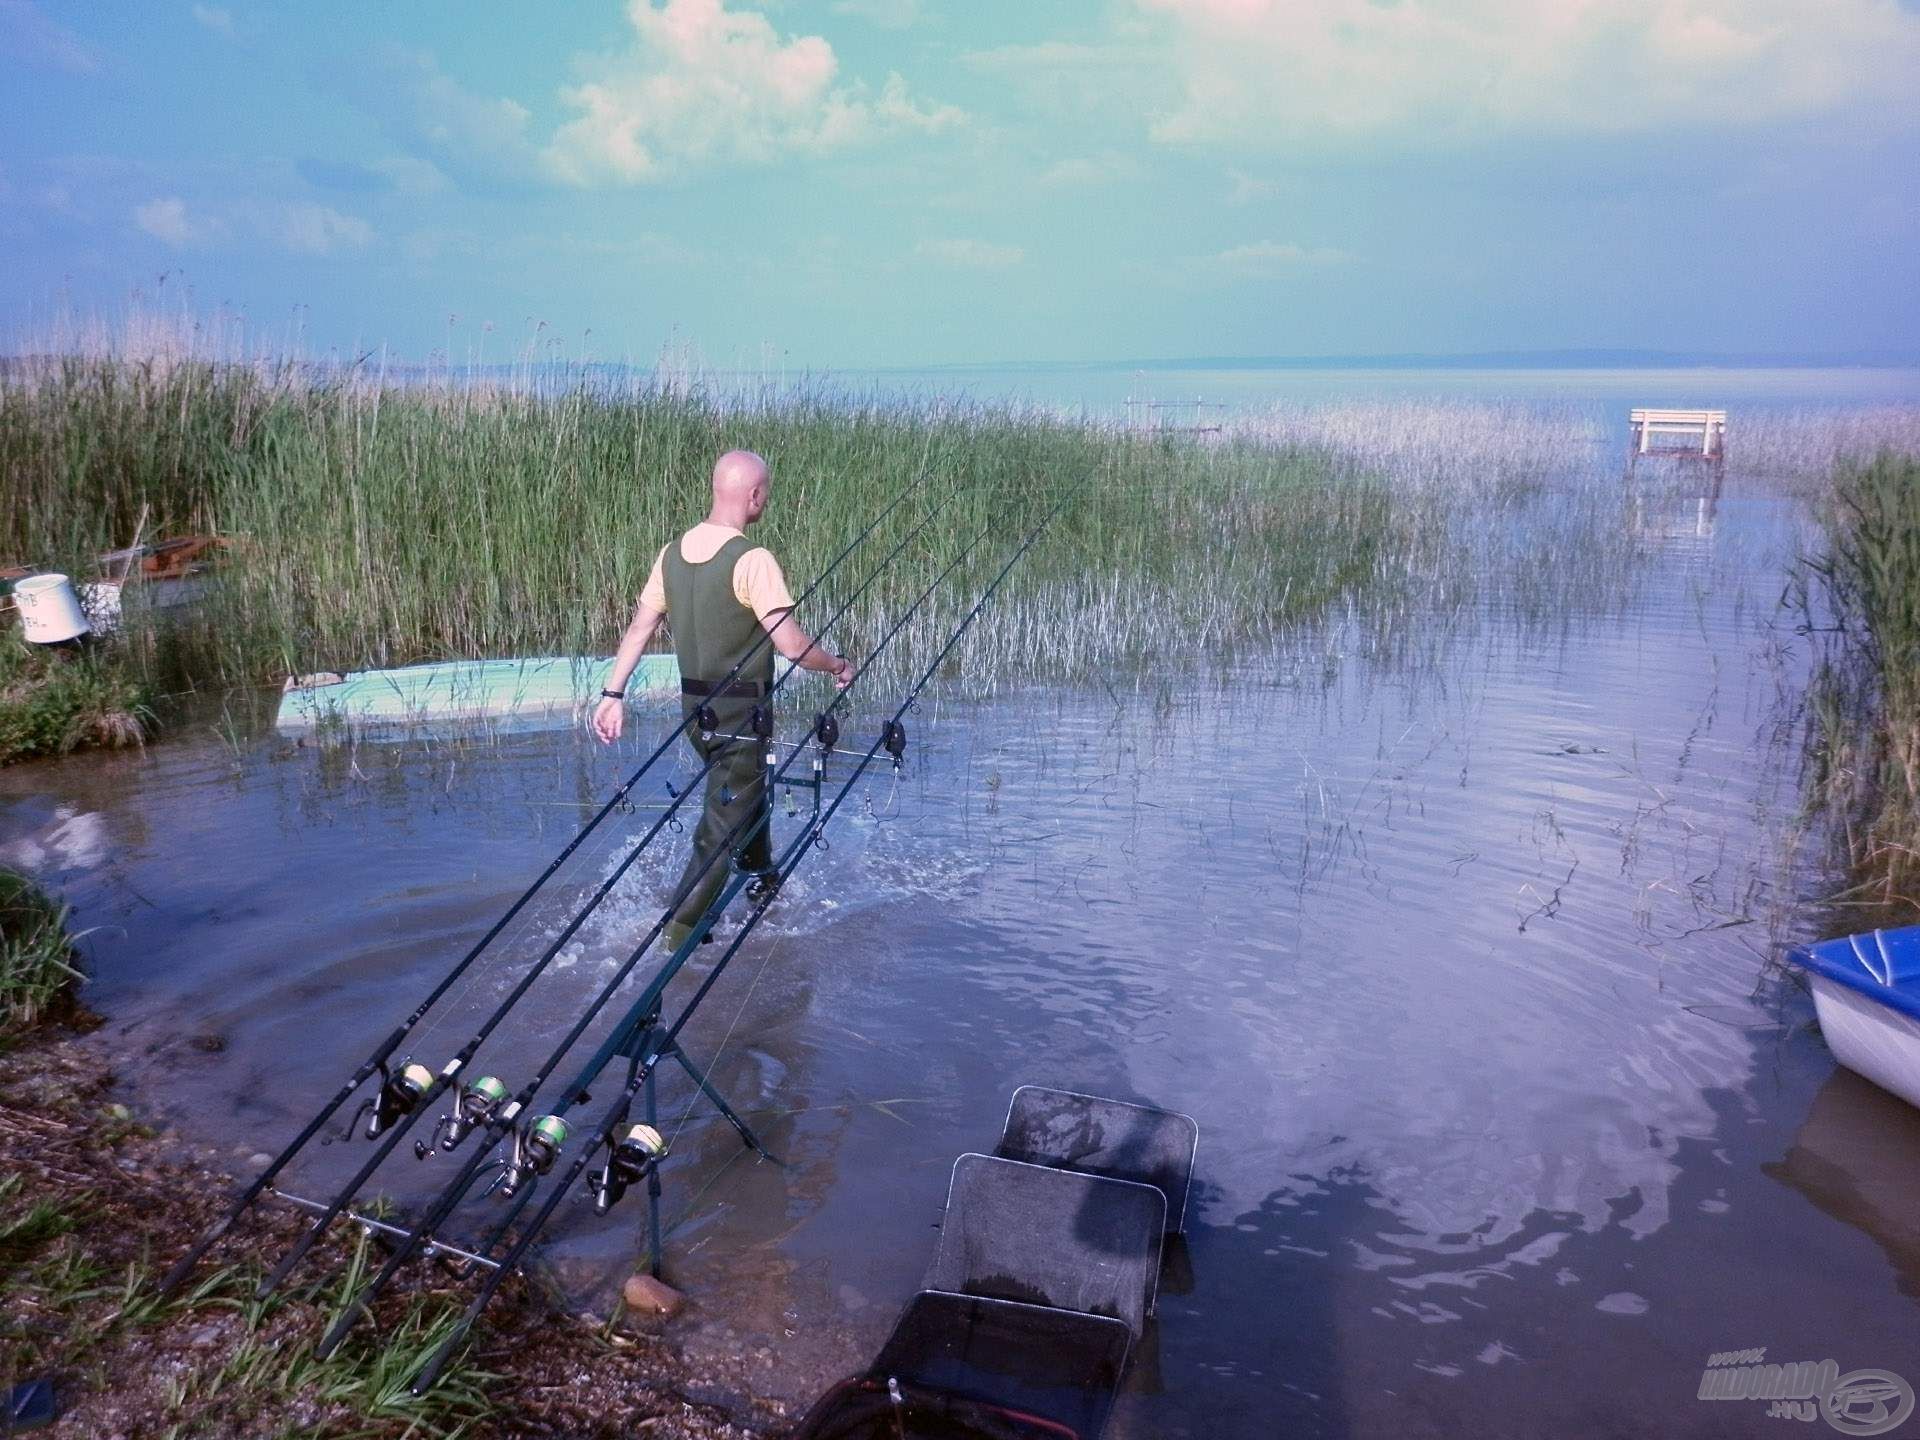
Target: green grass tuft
37,970
53,701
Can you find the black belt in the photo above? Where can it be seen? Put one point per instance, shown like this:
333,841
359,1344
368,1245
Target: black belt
738,690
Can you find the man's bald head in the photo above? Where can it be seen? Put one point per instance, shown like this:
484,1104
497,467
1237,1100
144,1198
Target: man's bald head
741,484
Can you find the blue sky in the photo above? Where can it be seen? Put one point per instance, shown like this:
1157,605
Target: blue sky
848,183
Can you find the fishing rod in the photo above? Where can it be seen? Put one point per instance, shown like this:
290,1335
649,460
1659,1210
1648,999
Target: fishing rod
478,1097
404,1088
637,1153
537,1142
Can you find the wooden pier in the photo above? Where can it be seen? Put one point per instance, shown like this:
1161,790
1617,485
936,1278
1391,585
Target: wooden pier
1701,435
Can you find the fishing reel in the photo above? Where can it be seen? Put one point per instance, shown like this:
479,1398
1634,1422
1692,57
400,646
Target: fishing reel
893,739
534,1151
706,720
760,722
404,1089
478,1101
826,730
629,1160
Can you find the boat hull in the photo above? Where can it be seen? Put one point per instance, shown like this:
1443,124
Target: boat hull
1866,991
1870,1039
547,693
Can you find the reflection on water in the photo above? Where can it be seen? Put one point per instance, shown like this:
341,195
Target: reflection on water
1857,1157
1452,942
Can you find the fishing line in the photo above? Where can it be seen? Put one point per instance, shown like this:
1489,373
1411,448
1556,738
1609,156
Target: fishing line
377,1060
395,1114
645,1064
906,705
504,1116
601,853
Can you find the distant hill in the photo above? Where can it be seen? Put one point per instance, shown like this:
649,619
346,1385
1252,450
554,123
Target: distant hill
1481,360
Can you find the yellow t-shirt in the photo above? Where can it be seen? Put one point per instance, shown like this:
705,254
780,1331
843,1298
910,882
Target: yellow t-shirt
758,582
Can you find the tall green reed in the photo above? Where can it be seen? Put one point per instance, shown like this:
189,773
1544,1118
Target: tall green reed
379,525
1865,700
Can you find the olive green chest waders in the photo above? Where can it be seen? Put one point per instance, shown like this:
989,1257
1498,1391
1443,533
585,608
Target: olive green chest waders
712,633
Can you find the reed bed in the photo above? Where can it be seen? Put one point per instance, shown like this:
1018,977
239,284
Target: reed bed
1864,600
376,525
1802,449
1479,449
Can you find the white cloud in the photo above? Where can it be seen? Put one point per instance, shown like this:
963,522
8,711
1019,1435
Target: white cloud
1267,258
216,19
421,103
702,84
28,35
1303,73
887,14
300,227
410,175
971,254
1091,171
167,220
1052,56
309,229
1247,188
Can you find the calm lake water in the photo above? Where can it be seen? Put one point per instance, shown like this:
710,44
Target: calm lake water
1457,947
1105,389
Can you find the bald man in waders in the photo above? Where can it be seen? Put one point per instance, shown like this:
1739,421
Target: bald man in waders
723,595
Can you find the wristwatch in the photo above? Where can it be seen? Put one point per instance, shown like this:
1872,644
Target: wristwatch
614,694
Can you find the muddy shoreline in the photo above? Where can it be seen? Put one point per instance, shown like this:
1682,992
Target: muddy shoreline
109,1202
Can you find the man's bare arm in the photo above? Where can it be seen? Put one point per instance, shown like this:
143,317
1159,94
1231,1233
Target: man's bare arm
609,716
793,642
640,631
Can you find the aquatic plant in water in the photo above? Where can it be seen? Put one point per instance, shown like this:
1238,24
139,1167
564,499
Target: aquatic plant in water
37,970
1864,704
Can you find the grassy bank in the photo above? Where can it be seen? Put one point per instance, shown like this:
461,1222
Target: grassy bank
93,1205
382,526
53,701
1865,699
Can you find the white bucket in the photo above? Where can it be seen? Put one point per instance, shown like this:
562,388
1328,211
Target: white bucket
49,610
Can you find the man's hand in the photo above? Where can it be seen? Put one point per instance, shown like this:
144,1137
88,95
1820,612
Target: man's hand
843,673
609,718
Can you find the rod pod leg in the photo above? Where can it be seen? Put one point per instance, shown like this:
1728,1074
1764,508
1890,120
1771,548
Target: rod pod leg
732,1116
719,1101
655,1250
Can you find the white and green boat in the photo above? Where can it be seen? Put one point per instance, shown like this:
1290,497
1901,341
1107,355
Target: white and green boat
540,693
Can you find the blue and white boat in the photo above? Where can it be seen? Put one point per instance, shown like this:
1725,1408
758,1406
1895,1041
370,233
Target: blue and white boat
1866,991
